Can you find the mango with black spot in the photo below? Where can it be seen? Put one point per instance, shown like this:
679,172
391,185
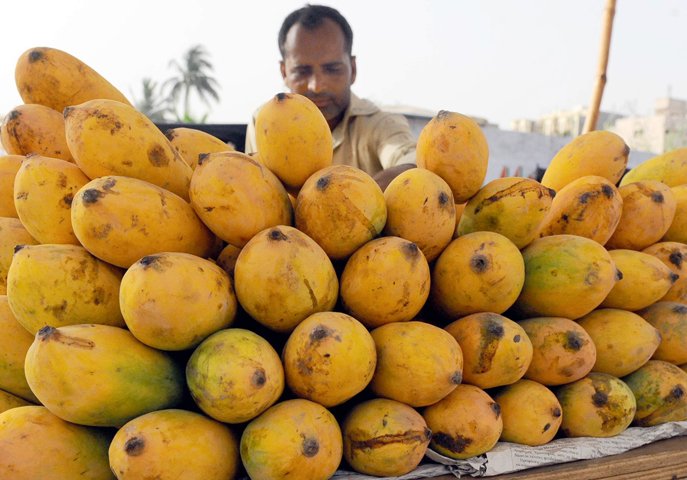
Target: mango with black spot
661,392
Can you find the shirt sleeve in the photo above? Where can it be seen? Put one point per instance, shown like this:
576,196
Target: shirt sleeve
396,144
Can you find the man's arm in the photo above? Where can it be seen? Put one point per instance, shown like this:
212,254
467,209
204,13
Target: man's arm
385,177
396,148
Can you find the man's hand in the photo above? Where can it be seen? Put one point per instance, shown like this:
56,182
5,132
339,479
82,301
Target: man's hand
385,177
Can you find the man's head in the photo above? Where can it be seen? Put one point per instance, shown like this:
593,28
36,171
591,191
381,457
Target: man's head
316,43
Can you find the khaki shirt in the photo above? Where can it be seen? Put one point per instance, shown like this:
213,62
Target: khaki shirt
366,137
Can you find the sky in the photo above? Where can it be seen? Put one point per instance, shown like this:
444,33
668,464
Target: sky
496,59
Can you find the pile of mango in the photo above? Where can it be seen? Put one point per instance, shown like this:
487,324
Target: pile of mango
174,308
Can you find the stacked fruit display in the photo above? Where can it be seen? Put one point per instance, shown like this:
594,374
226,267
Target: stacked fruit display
176,309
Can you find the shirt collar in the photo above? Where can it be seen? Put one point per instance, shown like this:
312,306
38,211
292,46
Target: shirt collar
356,107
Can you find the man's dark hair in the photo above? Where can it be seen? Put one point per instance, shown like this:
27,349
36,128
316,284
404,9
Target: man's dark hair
311,17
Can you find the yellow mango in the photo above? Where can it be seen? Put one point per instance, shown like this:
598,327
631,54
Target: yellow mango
227,258
192,144
600,152
454,147
12,233
35,129
122,219
645,280
669,168
386,280
496,350
384,437
455,433
531,413
9,165
293,138
328,358
173,301
417,363
107,137
648,210
670,319
295,276
672,254
477,272
460,208
237,197
56,79
163,444
234,375
500,202
133,379
661,392
677,232
35,443
44,189
420,208
9,401
295,438
562,351
624,341
61,285
341,208
565,276
14,343
598,405
588,206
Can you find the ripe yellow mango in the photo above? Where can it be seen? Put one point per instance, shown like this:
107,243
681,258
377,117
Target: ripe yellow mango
293,138
678,227
670,319
598,405
60,285
161,444
648,211
673,255
454,147
107,137
455,433
386,280
515,207
341,208
56,79
420,208
237,197
44,189
12,233
588,206
8,401
122,219
669,168
477,272
328,358
417,363
384,437
133,379
192,144
9,165
35,129
600,152
234,375
173,300
295,276
35,443
14,343
293,436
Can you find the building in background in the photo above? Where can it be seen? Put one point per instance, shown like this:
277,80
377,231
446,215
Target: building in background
664,130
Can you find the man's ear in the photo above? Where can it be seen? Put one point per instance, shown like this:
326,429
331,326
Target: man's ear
353,69
282,69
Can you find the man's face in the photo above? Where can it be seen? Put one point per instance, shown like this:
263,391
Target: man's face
317,65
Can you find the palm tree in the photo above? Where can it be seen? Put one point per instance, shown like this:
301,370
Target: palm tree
193,74
153,104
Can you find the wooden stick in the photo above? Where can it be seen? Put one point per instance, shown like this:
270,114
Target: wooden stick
593,113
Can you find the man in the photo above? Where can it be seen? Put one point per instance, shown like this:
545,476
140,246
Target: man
316,44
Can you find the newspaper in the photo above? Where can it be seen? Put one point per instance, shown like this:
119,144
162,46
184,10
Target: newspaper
510,457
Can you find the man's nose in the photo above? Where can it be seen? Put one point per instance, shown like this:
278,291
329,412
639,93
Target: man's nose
316,83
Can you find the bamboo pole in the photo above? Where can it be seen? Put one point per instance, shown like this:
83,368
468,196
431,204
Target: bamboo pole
593,113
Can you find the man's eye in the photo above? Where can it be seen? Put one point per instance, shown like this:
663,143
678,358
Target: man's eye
335,69
300,72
